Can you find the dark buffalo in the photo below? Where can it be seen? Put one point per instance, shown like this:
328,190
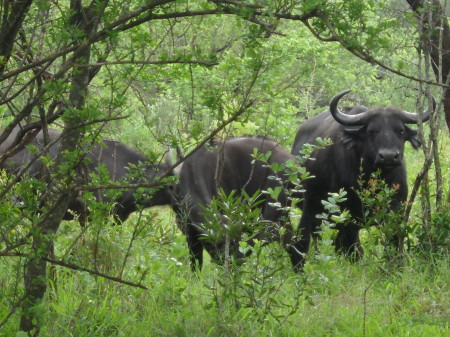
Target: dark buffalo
230,166
364,140
119,160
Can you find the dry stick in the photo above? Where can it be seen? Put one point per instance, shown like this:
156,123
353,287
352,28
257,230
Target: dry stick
79,268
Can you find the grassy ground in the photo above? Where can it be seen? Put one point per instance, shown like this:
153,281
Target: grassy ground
263,298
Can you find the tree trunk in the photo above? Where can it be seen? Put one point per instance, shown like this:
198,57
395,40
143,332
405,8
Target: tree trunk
13,13
60,191
437,36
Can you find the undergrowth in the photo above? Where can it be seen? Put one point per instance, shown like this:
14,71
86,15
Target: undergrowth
266,298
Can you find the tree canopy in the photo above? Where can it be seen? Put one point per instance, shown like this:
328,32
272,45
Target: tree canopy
158,74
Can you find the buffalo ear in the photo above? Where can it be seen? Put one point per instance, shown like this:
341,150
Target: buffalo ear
413,137
353,136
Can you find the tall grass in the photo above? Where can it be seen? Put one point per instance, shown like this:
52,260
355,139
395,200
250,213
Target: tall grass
263,298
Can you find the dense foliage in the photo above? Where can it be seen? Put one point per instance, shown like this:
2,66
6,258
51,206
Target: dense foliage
158,74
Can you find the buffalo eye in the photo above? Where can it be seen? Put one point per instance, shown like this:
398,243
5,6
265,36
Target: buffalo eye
400,132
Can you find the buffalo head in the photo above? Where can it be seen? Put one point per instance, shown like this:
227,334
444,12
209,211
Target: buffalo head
381,132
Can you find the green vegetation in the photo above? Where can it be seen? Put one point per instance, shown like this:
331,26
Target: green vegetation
158,74
332,297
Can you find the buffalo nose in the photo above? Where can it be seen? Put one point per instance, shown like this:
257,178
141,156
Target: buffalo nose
388,158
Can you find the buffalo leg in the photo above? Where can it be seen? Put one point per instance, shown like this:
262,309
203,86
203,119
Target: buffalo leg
347,243
195,247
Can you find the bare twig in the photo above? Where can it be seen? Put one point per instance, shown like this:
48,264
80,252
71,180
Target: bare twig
78,268
144,62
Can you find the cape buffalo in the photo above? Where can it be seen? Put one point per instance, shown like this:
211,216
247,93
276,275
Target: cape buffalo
119,160
364,140
231,166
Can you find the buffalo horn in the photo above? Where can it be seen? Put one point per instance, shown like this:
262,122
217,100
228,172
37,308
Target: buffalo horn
361,118
413,118
344,119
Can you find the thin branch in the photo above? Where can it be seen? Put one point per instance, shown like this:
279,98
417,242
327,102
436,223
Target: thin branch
101,120
239,4
365,305
24,86
317,35
156,62
26,134
78,268
18,244
169,171
417,183
369,58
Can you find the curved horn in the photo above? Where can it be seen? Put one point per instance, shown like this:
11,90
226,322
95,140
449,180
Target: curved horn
342,118
413,118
